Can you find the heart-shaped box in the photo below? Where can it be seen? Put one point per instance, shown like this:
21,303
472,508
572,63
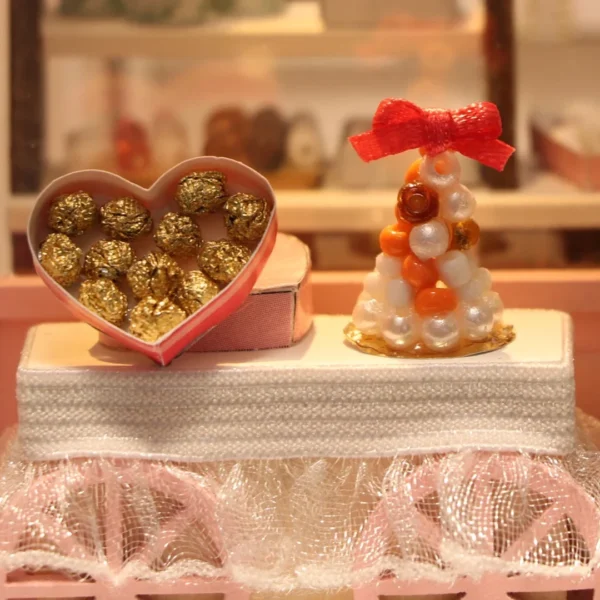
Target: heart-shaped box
159,199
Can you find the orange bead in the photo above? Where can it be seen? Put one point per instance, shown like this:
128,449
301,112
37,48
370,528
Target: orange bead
412,174
465,235
393,239
435,301
420,274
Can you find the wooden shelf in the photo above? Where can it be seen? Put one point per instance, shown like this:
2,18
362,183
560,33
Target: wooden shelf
546,203
297,32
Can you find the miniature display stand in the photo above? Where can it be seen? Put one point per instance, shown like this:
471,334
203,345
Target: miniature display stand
297,399
166,483
445,457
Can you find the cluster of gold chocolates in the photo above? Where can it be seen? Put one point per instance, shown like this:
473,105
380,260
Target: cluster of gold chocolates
163,293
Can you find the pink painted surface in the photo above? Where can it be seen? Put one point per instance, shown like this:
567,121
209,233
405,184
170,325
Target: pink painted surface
25,301
50,586
248,329
490,587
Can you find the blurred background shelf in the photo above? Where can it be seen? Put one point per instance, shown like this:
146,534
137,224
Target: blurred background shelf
547,202
299,31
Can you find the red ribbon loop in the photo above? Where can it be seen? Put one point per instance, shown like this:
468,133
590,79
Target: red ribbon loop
399,125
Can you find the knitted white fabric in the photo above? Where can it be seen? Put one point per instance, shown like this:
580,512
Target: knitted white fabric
319,398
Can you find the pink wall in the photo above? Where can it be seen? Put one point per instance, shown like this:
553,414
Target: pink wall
25,301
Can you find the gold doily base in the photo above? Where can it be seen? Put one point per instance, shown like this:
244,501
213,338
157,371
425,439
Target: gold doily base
371,344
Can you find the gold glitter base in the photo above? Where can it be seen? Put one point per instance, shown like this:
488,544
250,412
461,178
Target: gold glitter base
372,344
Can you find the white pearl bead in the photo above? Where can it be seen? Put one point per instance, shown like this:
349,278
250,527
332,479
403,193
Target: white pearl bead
440,333
375,285
473,257
457,204
401,331
449,166
399,294
366,316
388,266
476,320
493,301
454,268
480,283
430,239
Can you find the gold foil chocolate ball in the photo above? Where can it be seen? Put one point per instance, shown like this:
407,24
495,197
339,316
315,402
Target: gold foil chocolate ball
152,318
72,214
178,235
109,259
223,260
465,235
156,275
246,217
125,219
195,290
61,259
201,192
103,297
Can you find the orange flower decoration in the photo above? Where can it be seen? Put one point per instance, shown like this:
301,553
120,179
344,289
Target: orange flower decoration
417,203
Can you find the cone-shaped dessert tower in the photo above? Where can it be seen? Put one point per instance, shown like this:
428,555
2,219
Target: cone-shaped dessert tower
427,296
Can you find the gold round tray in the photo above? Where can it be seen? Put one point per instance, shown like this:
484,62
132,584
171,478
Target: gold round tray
371,344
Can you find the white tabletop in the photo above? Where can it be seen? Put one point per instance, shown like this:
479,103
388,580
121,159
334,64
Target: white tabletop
318,397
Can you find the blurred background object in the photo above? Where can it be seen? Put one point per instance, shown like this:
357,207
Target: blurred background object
91,8
568,143
172,12
135,86
389,13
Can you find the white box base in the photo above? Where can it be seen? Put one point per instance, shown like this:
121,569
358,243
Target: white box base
317,398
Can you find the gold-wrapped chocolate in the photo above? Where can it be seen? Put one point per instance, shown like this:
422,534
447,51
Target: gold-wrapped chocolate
61,259
125,219
195,290
103,297
152,318
109,259
72,214
223,260
177,235
201,192
156,275
246,217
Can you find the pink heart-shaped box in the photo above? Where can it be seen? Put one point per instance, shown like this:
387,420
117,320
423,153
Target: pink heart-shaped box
159,198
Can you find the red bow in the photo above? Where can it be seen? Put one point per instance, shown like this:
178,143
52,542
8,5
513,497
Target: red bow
399,125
